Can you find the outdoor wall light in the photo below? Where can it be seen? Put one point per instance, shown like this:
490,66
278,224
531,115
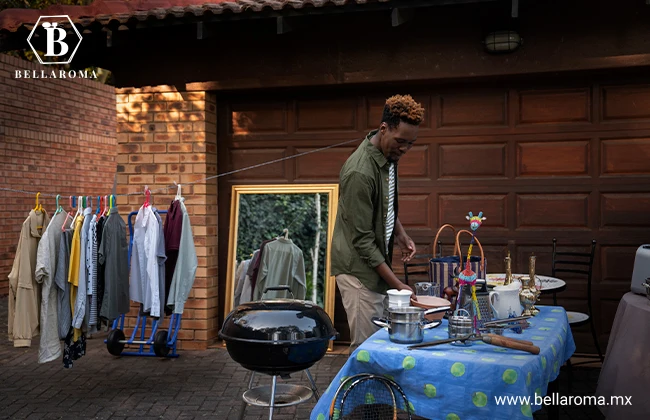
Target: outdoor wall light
502,42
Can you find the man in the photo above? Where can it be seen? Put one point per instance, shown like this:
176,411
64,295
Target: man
367,226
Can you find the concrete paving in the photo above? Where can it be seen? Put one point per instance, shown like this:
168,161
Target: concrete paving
197,385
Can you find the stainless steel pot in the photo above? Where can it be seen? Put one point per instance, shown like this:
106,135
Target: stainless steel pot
406,325
460,326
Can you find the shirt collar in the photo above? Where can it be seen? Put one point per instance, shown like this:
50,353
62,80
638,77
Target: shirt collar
376,154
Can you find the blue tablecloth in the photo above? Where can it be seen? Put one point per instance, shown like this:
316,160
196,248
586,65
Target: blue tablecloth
461,383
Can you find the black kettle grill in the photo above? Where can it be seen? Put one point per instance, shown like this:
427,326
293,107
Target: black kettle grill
277,337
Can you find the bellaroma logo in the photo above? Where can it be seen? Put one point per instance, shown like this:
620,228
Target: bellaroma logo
58,42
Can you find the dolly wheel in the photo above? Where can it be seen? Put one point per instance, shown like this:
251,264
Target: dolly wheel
160,344
113,342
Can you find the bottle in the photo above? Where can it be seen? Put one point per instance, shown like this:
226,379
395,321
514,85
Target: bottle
508,262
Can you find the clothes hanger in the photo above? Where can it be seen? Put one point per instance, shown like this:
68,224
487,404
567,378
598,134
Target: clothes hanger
79,207
67,216
59,209
89,202
286,233
99,204
105,209
37,206
178,192
147,194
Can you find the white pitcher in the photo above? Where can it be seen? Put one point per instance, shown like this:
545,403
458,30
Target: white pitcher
505,301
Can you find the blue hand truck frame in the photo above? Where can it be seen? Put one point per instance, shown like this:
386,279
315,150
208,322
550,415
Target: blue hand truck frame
161,343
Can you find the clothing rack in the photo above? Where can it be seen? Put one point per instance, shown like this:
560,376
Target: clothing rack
161,343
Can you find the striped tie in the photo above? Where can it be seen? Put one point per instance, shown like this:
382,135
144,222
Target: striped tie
390,214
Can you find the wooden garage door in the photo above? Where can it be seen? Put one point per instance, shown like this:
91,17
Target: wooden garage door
566,160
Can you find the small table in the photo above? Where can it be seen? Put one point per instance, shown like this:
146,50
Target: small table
450,382
626,368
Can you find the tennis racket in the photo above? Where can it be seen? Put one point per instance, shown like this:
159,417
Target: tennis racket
369,398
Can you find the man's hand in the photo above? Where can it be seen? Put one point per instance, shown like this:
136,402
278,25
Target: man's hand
407,246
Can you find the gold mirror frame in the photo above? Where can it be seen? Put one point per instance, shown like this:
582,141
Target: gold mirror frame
333,199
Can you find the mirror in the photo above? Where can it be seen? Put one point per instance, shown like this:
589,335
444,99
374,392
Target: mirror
262,212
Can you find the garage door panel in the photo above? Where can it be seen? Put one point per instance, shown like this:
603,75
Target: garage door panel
325,164
454,208
259,118
625,103
326,115
625,210
543,258
415,211
553,210
617,264
625,156
570,158
248,157
415,164
484,109
554,106
472,160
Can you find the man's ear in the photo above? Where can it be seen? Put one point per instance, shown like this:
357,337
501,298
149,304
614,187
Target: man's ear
383,127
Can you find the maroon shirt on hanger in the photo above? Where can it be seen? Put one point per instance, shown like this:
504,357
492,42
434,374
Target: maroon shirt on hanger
172,231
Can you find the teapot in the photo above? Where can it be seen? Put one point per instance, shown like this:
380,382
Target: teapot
505,301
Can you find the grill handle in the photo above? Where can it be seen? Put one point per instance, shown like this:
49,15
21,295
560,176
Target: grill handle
287,288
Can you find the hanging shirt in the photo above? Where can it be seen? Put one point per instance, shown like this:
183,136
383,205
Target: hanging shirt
282,264
144,279
46,260
100,269
91,264
186,265
173,229
62,285
24,291
240,279
114,255
161,258
77,287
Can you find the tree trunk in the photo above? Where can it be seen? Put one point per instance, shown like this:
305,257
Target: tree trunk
315,253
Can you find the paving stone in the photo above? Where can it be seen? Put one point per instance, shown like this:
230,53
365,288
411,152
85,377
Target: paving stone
197,385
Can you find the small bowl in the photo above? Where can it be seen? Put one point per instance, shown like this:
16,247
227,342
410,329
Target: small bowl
431,302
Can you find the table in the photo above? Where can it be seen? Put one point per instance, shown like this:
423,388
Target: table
626,368
451,382
549,284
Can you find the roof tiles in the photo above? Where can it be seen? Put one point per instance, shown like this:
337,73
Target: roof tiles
104,11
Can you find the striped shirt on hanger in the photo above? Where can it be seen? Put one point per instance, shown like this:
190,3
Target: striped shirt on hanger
390,215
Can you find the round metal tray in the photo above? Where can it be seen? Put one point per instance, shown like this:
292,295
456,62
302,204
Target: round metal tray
285,395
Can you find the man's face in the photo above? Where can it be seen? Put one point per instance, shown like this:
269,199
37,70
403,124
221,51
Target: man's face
395,142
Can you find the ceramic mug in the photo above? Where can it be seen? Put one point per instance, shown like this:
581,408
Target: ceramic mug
505,301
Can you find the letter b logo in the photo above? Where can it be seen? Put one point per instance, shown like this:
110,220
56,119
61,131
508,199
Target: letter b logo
56,40
55,36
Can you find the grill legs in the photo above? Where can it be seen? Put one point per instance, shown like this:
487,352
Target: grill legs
275,382
313,385
243,402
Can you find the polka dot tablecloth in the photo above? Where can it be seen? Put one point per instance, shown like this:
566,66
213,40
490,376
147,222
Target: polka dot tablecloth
462,383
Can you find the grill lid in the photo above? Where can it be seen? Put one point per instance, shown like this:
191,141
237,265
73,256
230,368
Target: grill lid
278,321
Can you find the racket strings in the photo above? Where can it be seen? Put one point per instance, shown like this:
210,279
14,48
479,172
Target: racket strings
369,399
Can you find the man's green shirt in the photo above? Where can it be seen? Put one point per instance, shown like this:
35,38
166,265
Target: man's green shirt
359,238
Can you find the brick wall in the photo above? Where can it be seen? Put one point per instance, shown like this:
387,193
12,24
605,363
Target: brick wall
57,136
166,136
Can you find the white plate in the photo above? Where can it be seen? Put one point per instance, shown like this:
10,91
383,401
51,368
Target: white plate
548,283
